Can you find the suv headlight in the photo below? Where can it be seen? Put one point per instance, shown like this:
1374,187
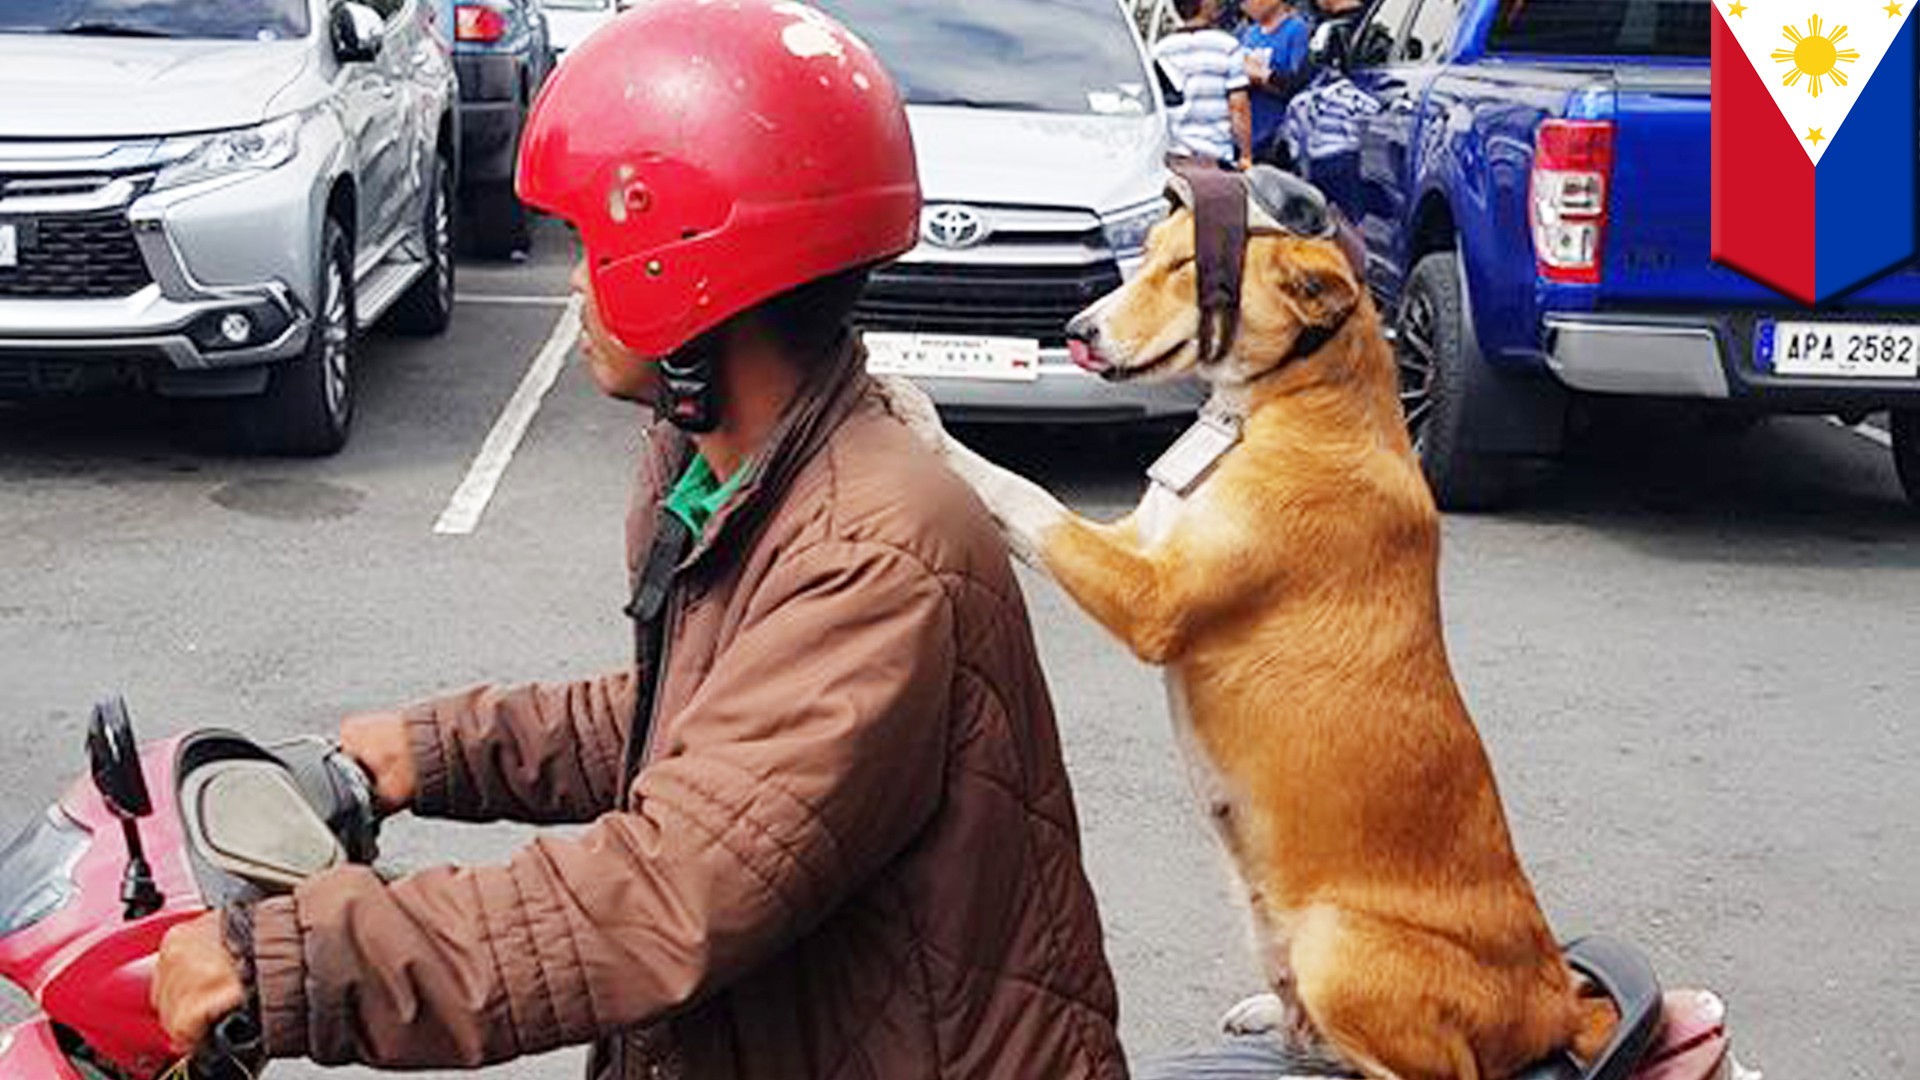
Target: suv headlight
254,149
1127,230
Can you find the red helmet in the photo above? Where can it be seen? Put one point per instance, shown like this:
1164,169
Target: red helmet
715,153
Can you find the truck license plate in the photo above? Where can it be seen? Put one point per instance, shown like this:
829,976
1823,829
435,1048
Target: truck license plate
9,246
1846,350
945,356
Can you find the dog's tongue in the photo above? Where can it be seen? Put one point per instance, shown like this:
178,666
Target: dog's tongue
1084,356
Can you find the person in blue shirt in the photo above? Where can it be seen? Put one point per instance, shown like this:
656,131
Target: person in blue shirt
1275,40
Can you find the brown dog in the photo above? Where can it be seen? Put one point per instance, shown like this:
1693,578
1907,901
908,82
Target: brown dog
1285,578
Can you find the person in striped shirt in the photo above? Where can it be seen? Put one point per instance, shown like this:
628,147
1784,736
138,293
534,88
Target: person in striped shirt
1214,122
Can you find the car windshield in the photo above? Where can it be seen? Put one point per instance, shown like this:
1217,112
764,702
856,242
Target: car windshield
1062,56
1602,28
245,20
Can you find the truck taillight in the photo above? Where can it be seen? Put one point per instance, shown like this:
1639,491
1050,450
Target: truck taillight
479,22
1572,165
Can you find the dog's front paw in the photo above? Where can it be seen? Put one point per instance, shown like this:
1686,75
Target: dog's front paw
1257,1015
912,407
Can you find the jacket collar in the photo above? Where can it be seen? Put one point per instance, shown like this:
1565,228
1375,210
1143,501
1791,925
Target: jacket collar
824,401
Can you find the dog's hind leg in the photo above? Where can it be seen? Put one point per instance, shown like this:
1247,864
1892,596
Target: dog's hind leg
1365,986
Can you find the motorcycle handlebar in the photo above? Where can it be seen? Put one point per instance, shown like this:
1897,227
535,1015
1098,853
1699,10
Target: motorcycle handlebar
235,1050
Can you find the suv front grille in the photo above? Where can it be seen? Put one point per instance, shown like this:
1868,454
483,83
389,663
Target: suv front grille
66,256
984,299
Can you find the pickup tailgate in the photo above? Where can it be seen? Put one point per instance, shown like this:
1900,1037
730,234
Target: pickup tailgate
1658,245
1658,250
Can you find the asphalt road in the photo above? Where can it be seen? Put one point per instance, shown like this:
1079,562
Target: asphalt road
1692,659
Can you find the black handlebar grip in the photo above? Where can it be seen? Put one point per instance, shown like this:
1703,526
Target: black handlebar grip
235,1049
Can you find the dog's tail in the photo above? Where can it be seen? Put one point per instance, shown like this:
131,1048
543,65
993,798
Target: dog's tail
1596,1019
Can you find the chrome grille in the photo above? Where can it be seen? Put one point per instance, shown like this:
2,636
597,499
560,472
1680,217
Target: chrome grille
964,298
72,236
67,256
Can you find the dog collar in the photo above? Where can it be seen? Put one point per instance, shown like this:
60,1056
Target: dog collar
1196,453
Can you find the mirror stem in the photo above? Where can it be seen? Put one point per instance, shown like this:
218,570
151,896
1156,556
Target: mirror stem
138,891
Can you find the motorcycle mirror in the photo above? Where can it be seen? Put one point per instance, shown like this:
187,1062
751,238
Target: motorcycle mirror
115,761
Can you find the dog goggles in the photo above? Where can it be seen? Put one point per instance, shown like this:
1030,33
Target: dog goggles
1229,206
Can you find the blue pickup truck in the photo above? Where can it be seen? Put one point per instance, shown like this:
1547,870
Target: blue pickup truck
1531,177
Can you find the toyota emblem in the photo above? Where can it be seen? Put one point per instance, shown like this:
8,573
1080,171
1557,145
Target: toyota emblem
953,226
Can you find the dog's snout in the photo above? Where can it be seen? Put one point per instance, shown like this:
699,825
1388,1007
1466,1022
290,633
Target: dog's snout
1083,344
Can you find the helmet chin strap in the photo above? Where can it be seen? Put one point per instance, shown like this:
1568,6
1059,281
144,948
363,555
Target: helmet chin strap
690,394
1219,203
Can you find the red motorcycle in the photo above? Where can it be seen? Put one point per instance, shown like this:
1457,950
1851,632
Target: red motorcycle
171,830
160,834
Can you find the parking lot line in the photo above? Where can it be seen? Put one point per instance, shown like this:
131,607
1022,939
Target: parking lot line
1868,432
470,499
512,299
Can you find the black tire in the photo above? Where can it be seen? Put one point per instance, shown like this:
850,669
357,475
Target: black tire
307,409
1729,423
497,224
1434,386
426,308
1906,452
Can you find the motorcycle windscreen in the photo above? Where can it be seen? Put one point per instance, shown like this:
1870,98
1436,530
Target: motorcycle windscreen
36,870
248,818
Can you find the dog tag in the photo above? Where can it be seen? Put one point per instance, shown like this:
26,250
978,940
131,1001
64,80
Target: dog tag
1194,454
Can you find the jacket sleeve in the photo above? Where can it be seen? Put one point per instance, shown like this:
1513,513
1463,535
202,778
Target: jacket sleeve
534,753
811,755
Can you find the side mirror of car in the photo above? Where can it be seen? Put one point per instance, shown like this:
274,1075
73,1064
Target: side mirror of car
1170,93
357,30
1331,40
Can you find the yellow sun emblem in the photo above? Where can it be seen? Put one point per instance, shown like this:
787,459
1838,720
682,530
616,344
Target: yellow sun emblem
1817,56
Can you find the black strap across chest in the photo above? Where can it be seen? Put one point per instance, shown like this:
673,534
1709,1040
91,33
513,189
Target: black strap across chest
652,588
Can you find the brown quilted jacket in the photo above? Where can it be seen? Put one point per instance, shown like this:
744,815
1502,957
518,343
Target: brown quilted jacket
851,851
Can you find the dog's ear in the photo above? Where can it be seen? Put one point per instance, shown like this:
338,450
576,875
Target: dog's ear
1318,282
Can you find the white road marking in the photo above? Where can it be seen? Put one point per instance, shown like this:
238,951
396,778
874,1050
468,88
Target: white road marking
513,299
470,499
1866,431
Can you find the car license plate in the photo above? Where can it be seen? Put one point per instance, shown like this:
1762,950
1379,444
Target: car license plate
944,356
1846,350
9,246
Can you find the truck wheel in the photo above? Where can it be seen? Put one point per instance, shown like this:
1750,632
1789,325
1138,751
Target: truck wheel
307,408
497,223
426,308
1434,382
1906,452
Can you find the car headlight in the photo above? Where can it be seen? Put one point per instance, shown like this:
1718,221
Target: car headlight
255,149
1127,230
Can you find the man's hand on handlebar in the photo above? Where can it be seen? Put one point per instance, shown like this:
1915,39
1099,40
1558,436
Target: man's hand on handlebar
378,741
196,982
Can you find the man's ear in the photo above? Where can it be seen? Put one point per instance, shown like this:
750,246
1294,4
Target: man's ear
1318,282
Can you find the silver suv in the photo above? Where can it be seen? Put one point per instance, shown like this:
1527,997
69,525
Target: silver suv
209,198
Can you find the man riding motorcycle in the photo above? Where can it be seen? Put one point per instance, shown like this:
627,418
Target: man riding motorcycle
831,831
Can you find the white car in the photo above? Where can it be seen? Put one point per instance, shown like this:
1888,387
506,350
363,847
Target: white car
570,21
1041,134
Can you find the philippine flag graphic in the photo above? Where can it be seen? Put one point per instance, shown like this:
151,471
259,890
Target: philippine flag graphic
1814,142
